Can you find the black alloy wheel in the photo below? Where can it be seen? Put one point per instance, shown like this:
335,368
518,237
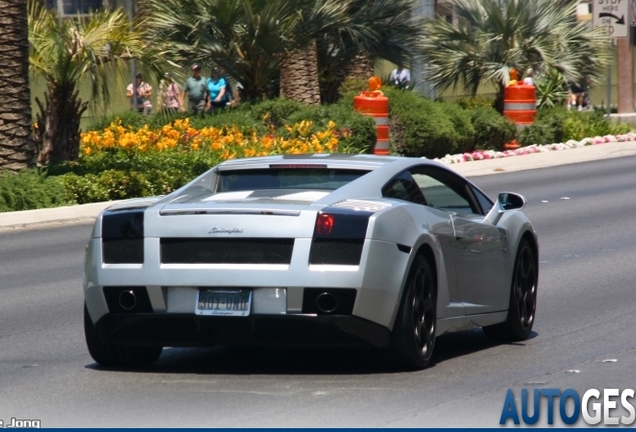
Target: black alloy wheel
122,356
413,337
523,298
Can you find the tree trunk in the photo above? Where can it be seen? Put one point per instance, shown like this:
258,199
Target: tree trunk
299,76
499,99
359,67
58,125
362,66
16,139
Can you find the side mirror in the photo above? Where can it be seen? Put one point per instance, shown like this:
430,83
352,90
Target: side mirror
505,201
511,201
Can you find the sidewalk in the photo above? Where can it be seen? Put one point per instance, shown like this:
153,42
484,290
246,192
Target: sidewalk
87,212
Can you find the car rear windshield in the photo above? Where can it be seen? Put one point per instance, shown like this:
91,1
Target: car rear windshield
287,178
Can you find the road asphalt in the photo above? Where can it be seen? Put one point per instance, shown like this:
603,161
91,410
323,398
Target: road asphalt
87,212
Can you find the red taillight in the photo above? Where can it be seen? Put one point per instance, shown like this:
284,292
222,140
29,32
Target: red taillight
324,224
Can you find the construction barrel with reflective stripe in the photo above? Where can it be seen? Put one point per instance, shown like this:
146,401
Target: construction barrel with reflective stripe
520,104
376,105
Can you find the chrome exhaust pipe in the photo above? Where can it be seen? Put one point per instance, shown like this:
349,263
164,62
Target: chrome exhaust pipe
327,302
127,300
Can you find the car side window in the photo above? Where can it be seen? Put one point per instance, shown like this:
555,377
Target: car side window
405,188
485,202
444,190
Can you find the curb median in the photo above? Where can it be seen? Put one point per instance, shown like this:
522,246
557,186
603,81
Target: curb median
67,214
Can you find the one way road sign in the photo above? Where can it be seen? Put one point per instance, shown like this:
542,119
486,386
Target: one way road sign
613,15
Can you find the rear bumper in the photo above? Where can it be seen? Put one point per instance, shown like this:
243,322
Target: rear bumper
173,288
166,329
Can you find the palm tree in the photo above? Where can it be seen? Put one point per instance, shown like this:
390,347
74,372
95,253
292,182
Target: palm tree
63,52
16,145
299,70
489,37
377,29
259,42
247,38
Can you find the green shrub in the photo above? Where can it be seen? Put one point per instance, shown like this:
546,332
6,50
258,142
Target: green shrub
84,189
537,133
419,126
276,112
116,184
475,101
128,118
579,125
357,132
29,189
462,125
159,164
492,130
555,125
620,128
552,90
350,88
242,118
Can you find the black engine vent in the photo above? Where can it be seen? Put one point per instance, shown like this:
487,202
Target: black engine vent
226,251
336,252
123,250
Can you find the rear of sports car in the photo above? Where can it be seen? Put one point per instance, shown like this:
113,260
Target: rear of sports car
235,259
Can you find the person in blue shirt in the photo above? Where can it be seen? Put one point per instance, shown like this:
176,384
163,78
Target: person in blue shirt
218,95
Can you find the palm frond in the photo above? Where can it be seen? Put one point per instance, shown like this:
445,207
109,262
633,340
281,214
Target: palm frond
489,37
64,51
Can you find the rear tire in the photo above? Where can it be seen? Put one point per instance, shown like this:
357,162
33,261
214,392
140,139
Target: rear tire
117,355
523,299
413,337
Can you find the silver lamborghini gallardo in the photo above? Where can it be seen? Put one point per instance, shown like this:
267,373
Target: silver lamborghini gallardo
314,250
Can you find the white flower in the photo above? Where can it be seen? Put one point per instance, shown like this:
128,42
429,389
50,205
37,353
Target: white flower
535,148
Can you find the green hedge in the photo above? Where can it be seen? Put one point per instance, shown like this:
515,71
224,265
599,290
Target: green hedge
422,127
463,127
29,190
492,130
110,175
554,125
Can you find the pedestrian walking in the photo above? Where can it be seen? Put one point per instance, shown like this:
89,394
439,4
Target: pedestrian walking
196,90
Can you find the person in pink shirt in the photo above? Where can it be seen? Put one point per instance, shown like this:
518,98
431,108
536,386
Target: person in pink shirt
169,94
144,92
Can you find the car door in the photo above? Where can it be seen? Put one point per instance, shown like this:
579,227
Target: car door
439,223
479,249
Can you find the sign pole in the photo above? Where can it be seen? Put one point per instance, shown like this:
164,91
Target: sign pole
131,62
614,16
609,85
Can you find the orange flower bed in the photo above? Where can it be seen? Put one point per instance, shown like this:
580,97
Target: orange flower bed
229,141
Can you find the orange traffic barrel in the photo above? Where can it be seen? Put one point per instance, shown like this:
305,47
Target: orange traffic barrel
520,104
376,105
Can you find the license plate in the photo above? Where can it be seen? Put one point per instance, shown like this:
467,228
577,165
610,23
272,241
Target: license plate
224,302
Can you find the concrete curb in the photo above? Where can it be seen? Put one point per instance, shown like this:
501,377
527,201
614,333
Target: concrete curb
546,159
56,215
88,212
